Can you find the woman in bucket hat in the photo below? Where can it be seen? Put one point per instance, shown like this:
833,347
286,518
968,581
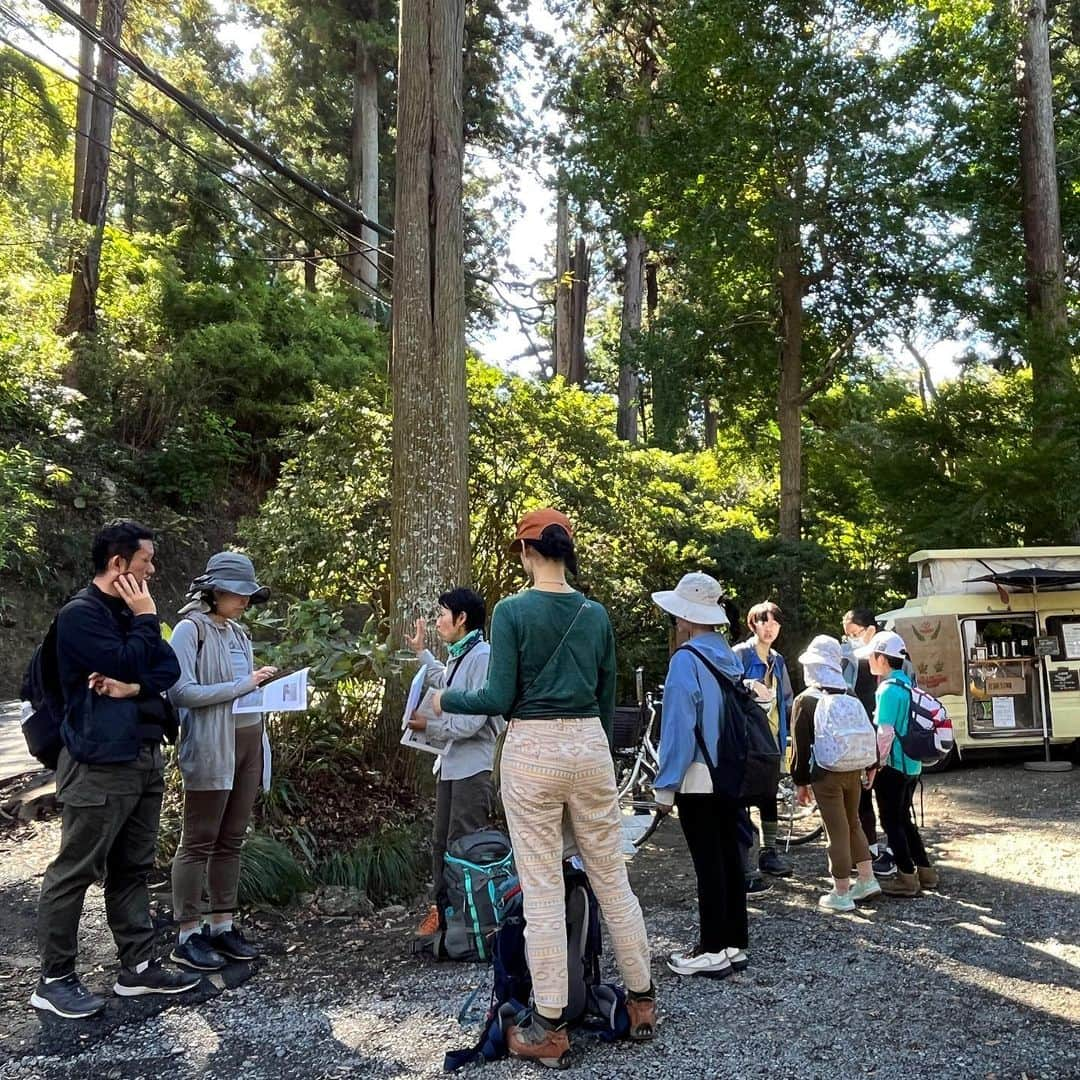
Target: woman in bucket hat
552,673
712,823
836,787
223,757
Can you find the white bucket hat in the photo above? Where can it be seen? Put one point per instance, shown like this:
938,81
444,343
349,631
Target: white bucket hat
696,599
825,651
885,643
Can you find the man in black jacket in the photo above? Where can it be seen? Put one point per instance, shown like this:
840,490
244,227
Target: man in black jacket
114,665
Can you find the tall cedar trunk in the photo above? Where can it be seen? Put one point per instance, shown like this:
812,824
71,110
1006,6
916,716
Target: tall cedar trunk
89,11
81,314
579,302
364,158
1044,260
712,423
429,519
789,396
652,294
629,332
563,310
311,270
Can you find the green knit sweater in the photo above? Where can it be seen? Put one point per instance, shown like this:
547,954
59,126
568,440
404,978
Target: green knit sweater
525,631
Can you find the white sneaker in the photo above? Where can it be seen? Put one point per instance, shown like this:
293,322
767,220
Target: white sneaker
834,901
694,962
738,959
864,890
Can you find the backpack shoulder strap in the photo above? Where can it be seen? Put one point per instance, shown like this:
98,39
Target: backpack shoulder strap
724,680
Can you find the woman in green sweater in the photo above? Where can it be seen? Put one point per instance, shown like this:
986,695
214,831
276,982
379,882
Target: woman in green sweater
552,673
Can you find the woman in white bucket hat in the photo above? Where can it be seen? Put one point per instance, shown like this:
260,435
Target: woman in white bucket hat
694,700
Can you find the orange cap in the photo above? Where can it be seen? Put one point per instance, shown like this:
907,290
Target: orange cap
533,524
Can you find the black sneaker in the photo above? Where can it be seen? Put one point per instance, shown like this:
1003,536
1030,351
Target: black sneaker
197,954
232,944
154,979
770,861
67,997
755,883
885,865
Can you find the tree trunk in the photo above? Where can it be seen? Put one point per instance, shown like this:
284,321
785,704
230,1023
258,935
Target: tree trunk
365,159
1044,260
652,294
563,343
579,303
629,333
84,102
311,270
712,423
429,519
81,314
789,396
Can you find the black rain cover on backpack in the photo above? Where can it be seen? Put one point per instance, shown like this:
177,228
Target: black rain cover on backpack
747,763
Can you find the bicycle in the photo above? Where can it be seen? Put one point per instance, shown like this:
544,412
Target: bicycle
637,762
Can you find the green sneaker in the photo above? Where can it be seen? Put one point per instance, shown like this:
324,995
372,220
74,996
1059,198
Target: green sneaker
864,890
834,901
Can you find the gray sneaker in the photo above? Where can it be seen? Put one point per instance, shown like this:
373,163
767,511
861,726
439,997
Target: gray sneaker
66,997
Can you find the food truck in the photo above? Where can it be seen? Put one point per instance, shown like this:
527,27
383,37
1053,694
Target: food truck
995,634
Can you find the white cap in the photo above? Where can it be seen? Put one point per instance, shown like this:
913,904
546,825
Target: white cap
696,599
884,643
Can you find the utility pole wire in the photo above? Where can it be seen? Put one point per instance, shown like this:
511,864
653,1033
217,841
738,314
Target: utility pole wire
211,120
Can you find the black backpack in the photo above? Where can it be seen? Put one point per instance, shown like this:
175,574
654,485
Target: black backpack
41,687
747,765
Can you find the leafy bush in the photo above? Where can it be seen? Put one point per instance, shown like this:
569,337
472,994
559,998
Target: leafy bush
269,872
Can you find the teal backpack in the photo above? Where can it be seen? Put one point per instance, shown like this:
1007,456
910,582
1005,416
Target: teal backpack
478,867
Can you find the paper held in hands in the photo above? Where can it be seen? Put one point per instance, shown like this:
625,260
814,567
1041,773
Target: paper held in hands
419,703
288,693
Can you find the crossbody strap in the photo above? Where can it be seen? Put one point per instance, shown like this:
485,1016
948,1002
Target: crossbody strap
554,652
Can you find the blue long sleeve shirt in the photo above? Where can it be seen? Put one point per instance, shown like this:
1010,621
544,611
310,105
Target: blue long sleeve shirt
691,696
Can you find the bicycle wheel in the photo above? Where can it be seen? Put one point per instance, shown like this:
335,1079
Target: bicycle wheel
639,817
797,824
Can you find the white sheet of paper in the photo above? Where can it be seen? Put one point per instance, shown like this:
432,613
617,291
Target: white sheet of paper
1004,712
420,740
283,695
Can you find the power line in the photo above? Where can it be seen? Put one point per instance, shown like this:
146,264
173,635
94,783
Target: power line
230,134
95,88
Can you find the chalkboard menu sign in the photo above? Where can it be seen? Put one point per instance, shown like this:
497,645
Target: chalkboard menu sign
1064,679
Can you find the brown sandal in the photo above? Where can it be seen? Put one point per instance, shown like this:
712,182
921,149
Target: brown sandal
642,1010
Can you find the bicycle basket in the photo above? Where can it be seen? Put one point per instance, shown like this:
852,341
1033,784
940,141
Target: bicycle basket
627,727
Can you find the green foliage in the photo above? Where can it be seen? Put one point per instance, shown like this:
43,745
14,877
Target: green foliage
269,872
390,864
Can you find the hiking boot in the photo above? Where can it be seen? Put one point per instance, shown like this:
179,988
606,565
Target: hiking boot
197,954
928,877
642,1010
697,961
884,864
232,944
540,1039
738,959
901,885
770,861
834,901
429,924
864,890
755,883
67,997
154,979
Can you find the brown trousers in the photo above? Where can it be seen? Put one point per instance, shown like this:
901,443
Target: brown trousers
837,795
214,826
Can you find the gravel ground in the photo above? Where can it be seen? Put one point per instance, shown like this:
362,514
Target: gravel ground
980,980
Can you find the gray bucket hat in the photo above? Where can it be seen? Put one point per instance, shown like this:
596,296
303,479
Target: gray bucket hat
232,572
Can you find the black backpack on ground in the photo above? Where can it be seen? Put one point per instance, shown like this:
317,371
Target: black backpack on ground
41,687
747,763
592,1005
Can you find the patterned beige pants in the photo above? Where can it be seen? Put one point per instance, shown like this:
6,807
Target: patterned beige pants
548,765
